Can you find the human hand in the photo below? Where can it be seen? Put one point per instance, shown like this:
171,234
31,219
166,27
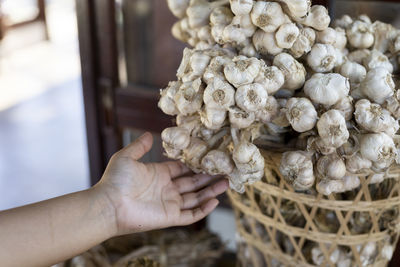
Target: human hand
155,195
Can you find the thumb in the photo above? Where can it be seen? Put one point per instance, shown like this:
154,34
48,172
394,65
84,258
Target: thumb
139,147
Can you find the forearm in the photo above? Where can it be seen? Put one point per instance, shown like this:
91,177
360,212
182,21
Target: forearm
51,231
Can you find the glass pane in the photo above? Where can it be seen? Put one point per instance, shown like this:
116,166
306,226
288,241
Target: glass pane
149,54
377,10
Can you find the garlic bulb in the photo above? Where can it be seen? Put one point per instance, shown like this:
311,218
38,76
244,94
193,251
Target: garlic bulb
297,169
354,71
286,35
220,17
166,102
347,183
318,18
193,64
301,114
377,178
393,105
387,252
269,112
322,58
326,89
251,97
345,106
219,94
265,43
293,71
213,118
358,55
360,34
268,16
377,59
394,45
215,69
241,7
194,153
378,147
247,157
240,119
297,8
383,33
374,118
199,11
318,256
189,97
357,163
344,22
271,78
217,162
178,7
175,139
332,128
378,85
242,70
305,40
331,167
335,37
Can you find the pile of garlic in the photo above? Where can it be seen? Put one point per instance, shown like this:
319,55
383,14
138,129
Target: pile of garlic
276,73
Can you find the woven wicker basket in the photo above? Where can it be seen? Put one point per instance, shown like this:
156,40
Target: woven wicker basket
280,227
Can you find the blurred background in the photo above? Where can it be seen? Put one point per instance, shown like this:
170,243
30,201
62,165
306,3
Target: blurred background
67,103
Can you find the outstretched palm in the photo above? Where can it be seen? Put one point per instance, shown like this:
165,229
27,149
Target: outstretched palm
156,195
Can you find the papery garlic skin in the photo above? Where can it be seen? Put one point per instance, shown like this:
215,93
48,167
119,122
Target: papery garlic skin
332,128
301,114
215,69
194,153
358,55
344,22
219,94
220,17
241,7
347,183
217,162
271,78
297,8
265,43
269,112
378,85
331,167
374,118
213,118
242,70
360,35
166,102
357,163
240,119
378,147
377,59
293,71
305,40
384,33
297,169
247,157
268,16
393,105
175,139
286,35
318,18
178,7
354,71
327,89
251,97
345,106
322,58
335,37
189,97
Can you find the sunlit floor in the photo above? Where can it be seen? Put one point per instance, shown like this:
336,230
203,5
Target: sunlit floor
42,133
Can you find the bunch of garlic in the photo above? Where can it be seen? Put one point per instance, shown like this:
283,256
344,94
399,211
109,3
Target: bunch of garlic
275,73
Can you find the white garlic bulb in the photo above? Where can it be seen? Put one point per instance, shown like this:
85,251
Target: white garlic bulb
269,112
318,18
378,85
219,94
377,178
374,118
358,55
194,153
344,22
268,16
213,118
393,105
345,106
297,169
377,59
215,69
247,157
286,35
357,163
332,128
240,119
265,43
178,7
189,97
217,162
354,71
347,183
251,97
327,89
199,11
360,34
378,147
384,33
331,167
242,70
305,40
297,8
301,114
293,71
271,78
166,102
327,36
175,139
318,256
241,7
220,17
322,58
387,252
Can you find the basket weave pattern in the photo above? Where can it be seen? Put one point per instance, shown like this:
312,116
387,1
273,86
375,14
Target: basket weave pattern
278,226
